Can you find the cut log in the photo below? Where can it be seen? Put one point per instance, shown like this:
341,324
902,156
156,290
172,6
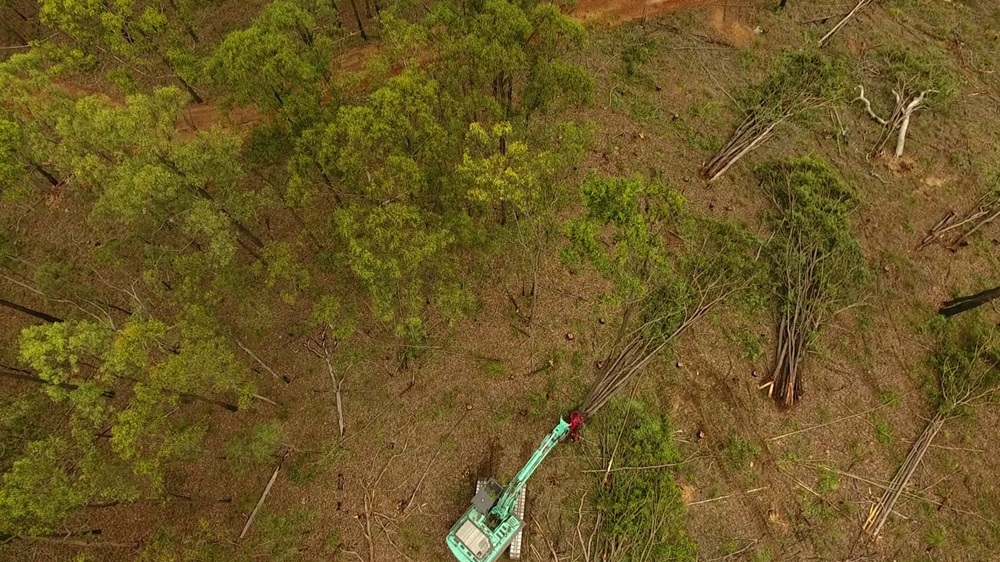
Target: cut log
962,304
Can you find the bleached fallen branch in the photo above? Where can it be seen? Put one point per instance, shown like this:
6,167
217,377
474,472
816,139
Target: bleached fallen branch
905,122
337,383
263,496
260,361
868,107
833,31
899,120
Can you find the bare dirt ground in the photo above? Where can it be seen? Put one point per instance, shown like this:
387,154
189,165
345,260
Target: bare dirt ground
475,402
620,11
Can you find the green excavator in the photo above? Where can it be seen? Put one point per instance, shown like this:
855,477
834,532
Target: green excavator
496,517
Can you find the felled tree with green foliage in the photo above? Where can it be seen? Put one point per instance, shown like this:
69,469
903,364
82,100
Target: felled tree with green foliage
818,267
799,82
130,395
965,374
640,515
668,268
624,233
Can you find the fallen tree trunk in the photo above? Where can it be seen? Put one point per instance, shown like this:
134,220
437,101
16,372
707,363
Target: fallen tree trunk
963,304
880,512
30,311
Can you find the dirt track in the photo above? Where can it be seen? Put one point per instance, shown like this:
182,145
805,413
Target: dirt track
618,11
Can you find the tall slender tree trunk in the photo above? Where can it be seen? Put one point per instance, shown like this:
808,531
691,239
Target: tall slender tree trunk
204,194
10,29
357,17
187,396
237,224
54,181
191,91
22,375
180,16
30,311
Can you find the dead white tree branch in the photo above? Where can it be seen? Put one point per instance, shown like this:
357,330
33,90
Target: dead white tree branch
868,107
337,382
899,121
905,121
267,490
833,31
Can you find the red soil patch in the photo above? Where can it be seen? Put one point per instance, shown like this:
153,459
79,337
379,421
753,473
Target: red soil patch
203,116
618,11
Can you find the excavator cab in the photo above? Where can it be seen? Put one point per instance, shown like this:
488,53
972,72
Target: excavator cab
496,517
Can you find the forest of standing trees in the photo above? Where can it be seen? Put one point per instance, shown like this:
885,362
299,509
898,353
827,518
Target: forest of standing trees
143,254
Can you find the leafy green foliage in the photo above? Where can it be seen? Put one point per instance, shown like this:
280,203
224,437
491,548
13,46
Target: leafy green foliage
625,236
39,490
739,453
259,444
280,55
796,78
813,207
393,179
12,171
146,180
141,36
883,431
641,510
817,266
156,368
508,57
966,362
638,214
911,71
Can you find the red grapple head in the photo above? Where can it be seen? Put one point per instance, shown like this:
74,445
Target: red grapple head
575,423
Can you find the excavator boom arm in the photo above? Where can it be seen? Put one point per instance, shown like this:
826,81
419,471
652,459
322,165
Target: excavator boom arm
508,500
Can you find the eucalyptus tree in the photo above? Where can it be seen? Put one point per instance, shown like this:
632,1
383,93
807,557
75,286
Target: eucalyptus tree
138,36
129,396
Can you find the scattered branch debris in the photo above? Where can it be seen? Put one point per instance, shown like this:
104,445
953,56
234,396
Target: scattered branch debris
370,500
954,230
840,24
